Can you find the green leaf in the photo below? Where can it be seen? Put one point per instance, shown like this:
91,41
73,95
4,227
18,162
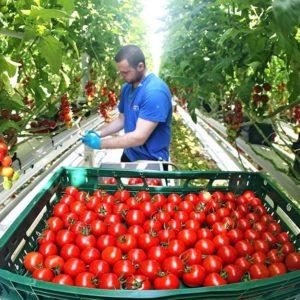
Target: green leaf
52,50
11,103
7,124
7,65
46,13
68,5
66,78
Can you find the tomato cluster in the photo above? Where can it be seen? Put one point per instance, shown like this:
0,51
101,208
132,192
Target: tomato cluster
6,169
7,115
233,115
109,101
296,113
258,95
65,113
90,90
43,126
121,240
28,102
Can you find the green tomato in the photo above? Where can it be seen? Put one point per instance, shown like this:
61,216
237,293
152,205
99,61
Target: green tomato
16,176
7,183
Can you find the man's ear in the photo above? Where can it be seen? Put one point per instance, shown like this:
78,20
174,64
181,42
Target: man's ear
141,66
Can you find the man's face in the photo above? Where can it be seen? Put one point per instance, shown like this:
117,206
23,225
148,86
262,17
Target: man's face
129,73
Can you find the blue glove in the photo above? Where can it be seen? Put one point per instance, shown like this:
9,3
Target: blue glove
92,139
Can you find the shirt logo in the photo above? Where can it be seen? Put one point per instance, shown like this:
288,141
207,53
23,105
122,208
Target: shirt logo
135,107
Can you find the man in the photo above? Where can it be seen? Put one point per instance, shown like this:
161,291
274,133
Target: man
145,112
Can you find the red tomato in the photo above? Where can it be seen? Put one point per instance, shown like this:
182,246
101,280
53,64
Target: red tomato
235,235
136,255
147,240
233,273
287,248
74,266
85,240
205,233
136,230
187,206
69,251
157,253
122,195
98,227
174,198
176,247
89,254
106,240
292,261
138,282
259,271
212,218
276,269
219,228
111,255
223,212
269,237
60,209
174,265
135,217
63,279
274,228
283,237
86,279
117,229
78,227
47,236
275,256
103,209
206,246
54,262
158,200
147,208
167,282
197,216
88,216
124,268
251,234
3,148
77,207
181,216
149,268
99,267
214,279
188,236
55,224
152,225
65,236
126,242
193,198
212,263
194,275
227,253
70,190
244,248
143,196
221,240
244,263
48,248
81,196
67,199
33,260
43,274
258,258
166,235
261,245
92,202
69,219
191,256
109,281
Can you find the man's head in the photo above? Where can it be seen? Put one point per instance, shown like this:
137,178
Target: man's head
131,63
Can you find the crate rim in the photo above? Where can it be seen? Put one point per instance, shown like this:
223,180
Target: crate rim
139,294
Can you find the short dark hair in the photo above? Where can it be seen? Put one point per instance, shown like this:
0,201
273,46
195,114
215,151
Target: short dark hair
133,54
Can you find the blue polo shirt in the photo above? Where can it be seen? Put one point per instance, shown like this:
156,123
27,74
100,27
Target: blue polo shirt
151,101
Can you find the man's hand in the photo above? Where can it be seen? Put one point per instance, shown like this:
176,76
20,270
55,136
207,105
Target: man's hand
92,139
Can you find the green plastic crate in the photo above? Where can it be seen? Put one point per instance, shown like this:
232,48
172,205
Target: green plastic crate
21,237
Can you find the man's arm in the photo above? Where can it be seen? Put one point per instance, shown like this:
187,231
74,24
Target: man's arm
113,127
138,137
